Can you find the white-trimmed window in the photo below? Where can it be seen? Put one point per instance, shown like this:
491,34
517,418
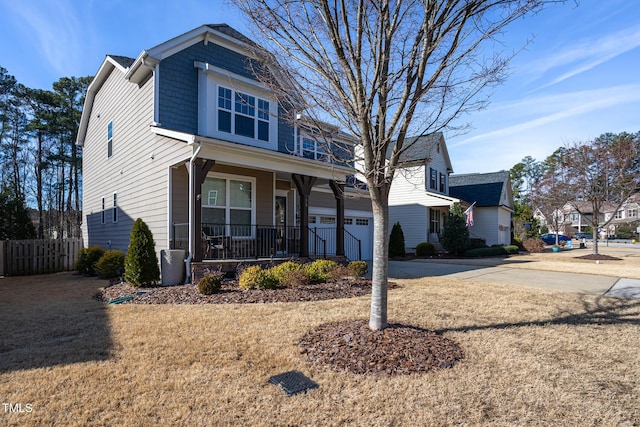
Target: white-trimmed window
443,182
229,201
312,149
102,212
433,177
243,114
619,215
434,216
632,213
362,221
114,208
327,220
110,139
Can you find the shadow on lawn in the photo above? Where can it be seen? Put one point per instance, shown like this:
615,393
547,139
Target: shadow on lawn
51,320
598,311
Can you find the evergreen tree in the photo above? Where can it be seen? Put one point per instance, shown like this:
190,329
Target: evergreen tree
141,263
15,223
396,241
455,234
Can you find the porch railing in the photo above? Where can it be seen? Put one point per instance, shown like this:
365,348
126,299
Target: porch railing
228,241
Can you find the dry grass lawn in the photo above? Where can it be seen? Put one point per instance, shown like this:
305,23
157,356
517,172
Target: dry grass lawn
533,357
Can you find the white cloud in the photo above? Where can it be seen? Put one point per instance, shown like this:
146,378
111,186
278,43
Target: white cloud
55,30
586,54
555,108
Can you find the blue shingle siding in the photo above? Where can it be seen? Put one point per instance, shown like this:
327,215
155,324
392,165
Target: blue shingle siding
178,85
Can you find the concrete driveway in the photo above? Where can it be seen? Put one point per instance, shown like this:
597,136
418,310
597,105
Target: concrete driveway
569,282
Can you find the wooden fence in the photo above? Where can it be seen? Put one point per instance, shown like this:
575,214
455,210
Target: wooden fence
25,257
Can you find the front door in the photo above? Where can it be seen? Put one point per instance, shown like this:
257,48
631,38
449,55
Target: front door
281,224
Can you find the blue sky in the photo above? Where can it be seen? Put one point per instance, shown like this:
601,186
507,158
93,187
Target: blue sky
579,76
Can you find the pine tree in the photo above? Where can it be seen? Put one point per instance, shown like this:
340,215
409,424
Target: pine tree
141,263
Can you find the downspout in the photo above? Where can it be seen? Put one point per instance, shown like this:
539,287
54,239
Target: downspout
191,212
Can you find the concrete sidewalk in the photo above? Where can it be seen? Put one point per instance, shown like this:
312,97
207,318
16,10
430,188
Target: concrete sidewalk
568,282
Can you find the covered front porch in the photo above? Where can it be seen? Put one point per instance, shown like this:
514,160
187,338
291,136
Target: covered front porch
222,210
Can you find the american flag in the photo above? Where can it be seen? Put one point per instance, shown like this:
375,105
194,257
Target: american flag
469,215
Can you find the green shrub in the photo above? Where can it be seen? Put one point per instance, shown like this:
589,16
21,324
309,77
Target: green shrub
396,241
210,284
533,245
141,262
254,277
357,268
425,249
477,243
87,259
455,234
110,265
320,270
492,251
280,270
293,278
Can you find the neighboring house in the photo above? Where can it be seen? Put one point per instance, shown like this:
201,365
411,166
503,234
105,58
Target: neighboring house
493,198
626,216
424,189
186,138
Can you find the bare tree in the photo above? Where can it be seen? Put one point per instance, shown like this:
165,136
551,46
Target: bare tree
551,192
603,172
384,71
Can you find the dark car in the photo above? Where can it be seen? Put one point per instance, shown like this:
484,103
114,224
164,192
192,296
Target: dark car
582,235
550,238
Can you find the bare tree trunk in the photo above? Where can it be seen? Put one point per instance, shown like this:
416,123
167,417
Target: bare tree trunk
379,273
39,187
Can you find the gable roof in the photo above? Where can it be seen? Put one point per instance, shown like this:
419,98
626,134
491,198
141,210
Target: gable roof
418,150
486,189
139,69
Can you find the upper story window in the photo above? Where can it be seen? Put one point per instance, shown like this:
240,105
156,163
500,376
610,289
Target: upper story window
433,178
632,213
619,215
574,217
102,213
110,139
442,183
242,114
312,149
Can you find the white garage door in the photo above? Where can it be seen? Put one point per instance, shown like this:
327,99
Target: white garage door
359,232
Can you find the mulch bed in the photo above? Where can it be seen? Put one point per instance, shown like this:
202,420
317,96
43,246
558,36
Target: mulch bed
599,257
398,349
230,293
345,346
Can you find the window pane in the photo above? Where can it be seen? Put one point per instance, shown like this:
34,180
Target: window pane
214,192
245,126
263,109
240,222
263,130
110,130
213,216
224,98
240,194
224,121
245,104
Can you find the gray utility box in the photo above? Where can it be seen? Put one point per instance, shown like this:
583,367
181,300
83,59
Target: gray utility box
172,266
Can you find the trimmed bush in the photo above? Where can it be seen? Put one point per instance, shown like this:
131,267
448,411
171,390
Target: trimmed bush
357,268
320,270
293,278
141,264
492,251
290,274
209,284
425,249
254,277
87,260
534,245
110,265
396,242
